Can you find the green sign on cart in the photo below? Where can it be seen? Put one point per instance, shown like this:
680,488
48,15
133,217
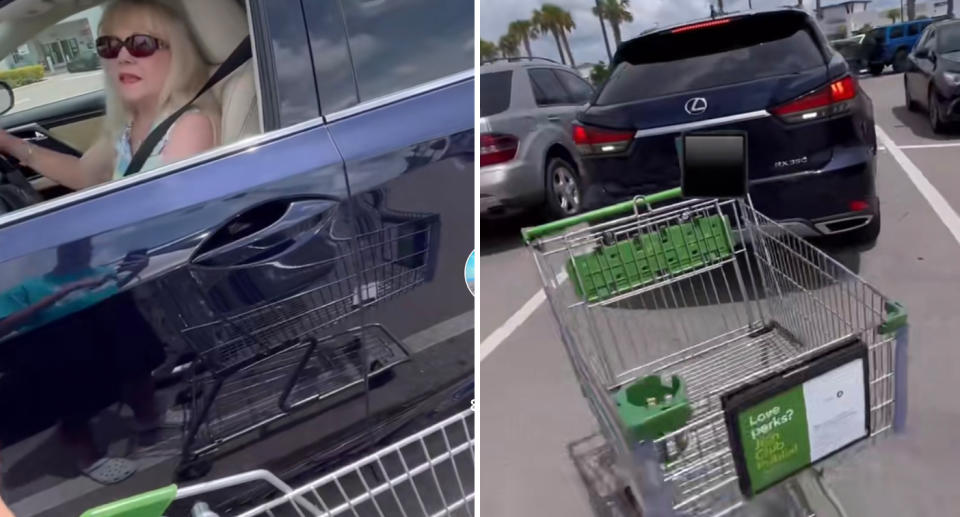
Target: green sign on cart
791,421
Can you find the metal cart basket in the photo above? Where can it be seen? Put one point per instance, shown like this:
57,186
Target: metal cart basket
427,474
267,346
720,296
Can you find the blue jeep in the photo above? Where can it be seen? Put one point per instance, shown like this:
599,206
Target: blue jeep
892,44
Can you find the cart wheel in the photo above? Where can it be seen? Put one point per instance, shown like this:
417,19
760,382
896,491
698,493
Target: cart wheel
193,469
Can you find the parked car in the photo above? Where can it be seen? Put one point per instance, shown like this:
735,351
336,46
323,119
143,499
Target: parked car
812,147
932,78
300,287
85,61
893,44
527,157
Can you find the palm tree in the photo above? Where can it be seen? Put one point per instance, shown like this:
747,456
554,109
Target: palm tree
509,45
893,14
488,50
911,9
566,24
720,6
819,11
950,7
616,12
546,19
525,31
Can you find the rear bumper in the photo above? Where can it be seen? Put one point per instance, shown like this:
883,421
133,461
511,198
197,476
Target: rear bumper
811,202
509,187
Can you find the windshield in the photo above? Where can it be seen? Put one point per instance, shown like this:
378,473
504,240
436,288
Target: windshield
55,64
948,39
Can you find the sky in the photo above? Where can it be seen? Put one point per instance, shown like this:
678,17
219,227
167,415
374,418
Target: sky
586,42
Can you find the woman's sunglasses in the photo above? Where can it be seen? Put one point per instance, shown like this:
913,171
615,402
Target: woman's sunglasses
138,45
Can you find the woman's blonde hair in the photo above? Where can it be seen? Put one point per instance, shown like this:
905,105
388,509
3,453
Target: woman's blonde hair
188,70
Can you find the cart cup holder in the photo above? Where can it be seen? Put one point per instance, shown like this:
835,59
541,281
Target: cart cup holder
650,409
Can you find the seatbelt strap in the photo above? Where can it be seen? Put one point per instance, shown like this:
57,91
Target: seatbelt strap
237,58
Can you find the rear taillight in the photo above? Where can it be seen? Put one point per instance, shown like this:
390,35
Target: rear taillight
591,140
497,148
825,102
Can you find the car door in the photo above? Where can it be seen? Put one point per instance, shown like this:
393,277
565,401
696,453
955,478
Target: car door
579,92
925,68
913,75
404,126
226,282
553,99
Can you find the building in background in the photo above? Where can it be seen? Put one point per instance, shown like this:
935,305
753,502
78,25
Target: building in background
55,47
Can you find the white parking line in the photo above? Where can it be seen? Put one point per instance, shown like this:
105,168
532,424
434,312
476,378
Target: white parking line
930,146
513,322
940,205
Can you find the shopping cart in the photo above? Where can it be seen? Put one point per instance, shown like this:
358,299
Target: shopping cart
266,346
687,320
429,473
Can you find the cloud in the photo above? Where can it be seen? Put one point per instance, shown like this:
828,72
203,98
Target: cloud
586,41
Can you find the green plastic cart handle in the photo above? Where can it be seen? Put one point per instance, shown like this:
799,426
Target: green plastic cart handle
536,232
896,317
148,504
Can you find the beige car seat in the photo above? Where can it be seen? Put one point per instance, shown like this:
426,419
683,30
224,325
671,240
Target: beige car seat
219,26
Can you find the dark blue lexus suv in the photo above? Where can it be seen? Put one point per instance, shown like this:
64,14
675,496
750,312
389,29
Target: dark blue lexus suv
812,146
290,300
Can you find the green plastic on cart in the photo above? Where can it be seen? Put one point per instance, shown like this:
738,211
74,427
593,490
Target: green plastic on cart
650,409
148,504
896,317
623,266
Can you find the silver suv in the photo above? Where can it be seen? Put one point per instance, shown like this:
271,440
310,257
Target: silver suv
527,155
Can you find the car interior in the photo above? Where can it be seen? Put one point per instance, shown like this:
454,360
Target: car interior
73,124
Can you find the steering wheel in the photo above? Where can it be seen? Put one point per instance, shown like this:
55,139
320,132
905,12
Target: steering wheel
15,191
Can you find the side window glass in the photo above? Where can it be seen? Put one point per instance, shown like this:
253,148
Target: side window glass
896,32
336,84
399,44
289,83
580,92
913,29
547,88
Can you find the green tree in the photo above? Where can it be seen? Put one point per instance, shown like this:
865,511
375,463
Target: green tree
558,21
615,12
524,30
599,73
488,50
509,45
893,15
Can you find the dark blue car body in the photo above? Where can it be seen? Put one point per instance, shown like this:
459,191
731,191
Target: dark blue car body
815,175
300,293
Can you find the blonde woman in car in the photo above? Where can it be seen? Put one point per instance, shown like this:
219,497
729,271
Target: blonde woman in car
152,67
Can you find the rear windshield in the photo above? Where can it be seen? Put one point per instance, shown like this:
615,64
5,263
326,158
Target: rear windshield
745,49
494,92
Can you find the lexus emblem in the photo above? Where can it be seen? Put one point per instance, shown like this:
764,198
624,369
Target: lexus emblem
696,106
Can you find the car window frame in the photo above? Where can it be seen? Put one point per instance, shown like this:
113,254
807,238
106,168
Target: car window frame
565,101
261,62
901,28
557,72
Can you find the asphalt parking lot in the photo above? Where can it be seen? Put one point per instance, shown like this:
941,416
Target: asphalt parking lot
56,87
533,414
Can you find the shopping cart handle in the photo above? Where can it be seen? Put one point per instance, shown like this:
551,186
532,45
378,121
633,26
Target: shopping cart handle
626,207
